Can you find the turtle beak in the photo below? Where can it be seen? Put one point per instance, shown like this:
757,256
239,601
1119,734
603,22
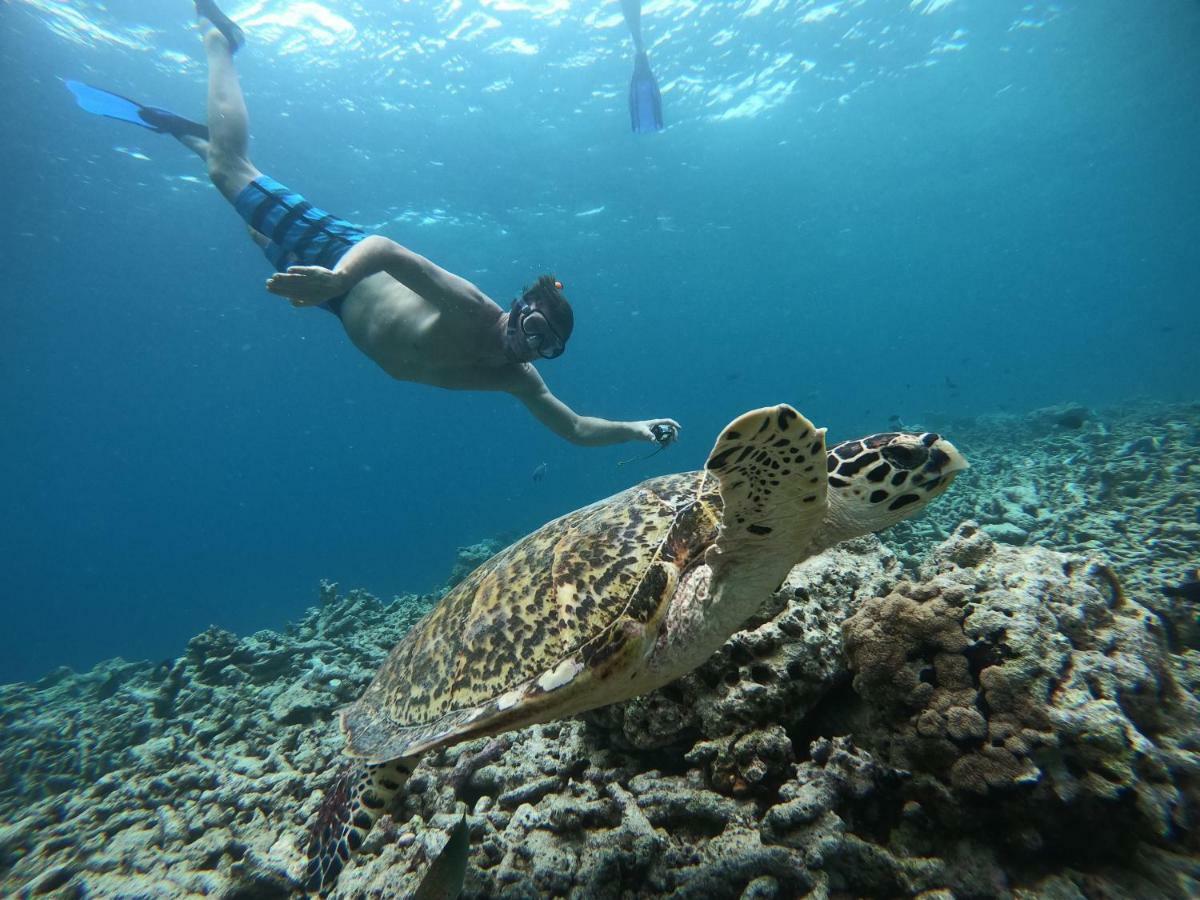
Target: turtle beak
948,457
945,462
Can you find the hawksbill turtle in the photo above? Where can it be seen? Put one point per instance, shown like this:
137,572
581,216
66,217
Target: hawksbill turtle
616,599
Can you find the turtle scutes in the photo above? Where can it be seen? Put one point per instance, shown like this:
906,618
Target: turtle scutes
616,599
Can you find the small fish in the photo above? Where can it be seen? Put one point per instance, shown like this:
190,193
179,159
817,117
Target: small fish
1188,590
445,876
540,472
950,384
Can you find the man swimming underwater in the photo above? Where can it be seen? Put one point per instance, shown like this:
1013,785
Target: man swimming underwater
417,321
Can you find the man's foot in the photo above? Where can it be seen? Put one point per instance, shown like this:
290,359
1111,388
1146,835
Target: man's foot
230,30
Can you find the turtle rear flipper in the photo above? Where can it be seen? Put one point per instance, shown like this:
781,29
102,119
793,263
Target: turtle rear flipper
357,799
771,466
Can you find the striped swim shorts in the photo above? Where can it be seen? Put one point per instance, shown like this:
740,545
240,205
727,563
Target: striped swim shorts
298,233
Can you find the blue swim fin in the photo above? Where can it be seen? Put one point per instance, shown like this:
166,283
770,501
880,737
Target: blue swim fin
645,102
105,103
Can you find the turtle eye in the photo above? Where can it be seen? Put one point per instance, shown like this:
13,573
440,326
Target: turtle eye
905,457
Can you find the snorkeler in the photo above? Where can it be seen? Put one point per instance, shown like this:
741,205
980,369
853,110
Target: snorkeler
416,320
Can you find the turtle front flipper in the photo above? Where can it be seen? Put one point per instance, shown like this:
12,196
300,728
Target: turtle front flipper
772,471
355,802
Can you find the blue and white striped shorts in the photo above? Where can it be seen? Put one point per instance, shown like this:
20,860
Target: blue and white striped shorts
299,234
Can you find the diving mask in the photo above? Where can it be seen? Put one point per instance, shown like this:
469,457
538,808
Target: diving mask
539,335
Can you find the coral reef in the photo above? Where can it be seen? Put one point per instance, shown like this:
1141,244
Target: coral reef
959,710
1124,484
1029,699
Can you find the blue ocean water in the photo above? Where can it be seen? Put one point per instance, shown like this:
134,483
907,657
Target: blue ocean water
928,209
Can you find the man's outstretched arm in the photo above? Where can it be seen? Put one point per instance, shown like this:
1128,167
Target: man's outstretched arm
313,285
588,431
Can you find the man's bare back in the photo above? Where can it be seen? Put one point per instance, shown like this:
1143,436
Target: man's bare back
413,340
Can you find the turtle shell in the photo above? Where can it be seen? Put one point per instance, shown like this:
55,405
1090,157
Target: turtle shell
543,628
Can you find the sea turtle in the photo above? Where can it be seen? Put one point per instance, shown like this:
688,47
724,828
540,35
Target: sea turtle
616,599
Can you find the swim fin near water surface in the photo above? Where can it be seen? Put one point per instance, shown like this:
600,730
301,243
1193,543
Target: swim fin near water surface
105,103
645,101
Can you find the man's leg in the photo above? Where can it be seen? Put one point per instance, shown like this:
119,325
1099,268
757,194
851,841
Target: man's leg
289,229
225,152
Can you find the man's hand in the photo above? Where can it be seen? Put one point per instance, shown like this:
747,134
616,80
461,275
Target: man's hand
308,285
658,431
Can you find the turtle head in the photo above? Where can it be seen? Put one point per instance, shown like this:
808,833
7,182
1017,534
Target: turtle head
879,480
